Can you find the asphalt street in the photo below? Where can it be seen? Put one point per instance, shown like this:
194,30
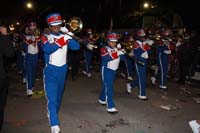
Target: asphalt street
164,112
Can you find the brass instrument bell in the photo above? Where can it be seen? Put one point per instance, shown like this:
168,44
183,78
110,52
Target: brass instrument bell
36,32
75,24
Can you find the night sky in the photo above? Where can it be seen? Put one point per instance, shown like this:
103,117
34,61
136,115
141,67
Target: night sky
94,12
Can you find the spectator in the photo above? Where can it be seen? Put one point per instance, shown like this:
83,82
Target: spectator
6,50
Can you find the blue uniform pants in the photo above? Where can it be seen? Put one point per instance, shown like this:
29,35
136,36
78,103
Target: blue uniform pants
31,63
54,81
88,60
129,65
107,92
163,68
140,79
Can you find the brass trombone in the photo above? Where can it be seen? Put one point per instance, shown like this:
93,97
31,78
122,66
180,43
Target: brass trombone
75,24
128,46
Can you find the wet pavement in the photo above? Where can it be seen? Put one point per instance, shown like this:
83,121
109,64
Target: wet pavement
164,112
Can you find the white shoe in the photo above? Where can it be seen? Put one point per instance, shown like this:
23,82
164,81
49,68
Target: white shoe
24,80
112,110
29,92
55,129
84,72
102,102
163,87
194,126
153,80
130,78
48,116
142,97
123,75
89,75
128,88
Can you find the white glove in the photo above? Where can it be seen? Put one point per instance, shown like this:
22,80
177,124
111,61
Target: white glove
50,39
67,37
89,46
131,54
145,55
149,42
64,29
167,51
120,52
70,33
119,46
170,40
178,44
123,50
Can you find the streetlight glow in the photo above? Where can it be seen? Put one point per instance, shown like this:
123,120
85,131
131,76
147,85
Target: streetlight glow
12,27
29,5
146,5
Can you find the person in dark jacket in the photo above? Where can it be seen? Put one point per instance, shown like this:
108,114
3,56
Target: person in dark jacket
6,50
184,56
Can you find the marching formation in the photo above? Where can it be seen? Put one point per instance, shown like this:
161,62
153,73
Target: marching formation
159,51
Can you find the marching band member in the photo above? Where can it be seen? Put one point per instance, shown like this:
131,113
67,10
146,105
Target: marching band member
129,57
88,52
30,46
110,58
23,37
141,56
164,47
55,47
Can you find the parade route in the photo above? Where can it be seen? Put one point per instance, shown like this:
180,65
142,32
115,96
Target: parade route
164,112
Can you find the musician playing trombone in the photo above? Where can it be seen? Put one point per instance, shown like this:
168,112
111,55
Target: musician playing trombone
55,47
